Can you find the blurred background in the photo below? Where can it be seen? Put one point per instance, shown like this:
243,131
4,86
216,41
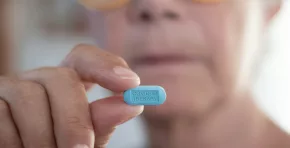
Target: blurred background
45,31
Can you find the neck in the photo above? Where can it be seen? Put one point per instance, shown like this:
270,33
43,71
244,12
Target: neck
237,123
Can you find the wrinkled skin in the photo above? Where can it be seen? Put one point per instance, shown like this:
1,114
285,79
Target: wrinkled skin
212,39
202,54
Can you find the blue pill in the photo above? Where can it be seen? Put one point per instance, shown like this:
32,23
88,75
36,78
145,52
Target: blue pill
145,95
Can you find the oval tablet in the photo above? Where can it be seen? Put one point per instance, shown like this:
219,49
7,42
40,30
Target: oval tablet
145,95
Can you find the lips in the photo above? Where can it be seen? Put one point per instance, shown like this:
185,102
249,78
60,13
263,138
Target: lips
153,60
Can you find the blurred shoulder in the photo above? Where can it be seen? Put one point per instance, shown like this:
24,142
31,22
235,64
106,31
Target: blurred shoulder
274,136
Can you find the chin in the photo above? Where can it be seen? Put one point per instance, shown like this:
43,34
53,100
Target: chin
188,94
184,103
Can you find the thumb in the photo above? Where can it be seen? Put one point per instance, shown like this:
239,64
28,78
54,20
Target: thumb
109,113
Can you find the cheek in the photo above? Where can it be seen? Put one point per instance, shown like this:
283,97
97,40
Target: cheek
222,36
116,29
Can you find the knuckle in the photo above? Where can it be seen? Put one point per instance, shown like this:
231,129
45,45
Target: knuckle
75,54
26,92
78,124
19,91
63,72
81,50
7,84
27,88
80,47
112,59
56,72
11,88
59,75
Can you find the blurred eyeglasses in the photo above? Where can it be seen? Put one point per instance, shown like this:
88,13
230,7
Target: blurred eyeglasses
104,5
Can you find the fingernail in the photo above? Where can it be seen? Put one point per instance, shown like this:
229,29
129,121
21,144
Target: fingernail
125,73
81,146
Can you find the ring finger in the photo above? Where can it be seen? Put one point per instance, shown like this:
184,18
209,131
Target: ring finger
30,111
9,137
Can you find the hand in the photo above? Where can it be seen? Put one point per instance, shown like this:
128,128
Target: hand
48,107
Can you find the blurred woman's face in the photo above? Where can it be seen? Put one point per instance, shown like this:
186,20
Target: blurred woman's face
201,53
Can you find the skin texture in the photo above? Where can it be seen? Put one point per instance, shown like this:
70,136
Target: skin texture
45,116
202,54
213,71
211,91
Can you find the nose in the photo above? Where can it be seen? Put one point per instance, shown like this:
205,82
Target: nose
149,11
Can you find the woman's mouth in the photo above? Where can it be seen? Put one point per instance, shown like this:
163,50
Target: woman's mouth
164,60
175,65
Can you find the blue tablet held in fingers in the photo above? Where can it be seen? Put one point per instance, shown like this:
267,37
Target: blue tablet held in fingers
145,95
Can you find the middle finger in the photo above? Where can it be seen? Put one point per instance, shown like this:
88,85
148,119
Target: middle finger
30,111
69,106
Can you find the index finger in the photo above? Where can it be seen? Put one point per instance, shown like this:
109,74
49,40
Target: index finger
95,65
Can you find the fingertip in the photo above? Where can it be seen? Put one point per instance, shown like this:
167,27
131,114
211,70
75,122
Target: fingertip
117,79
124,79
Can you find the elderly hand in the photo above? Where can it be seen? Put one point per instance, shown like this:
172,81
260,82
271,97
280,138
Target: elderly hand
48,107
